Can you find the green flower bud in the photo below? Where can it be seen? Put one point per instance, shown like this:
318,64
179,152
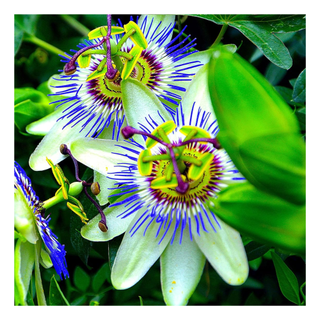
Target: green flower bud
257,127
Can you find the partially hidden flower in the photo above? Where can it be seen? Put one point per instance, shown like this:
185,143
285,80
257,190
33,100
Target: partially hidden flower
165,175
90,100
31,223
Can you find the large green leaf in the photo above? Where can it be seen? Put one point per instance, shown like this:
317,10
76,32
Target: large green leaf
260,30
26,22
265,218
30,105
257,128
287,280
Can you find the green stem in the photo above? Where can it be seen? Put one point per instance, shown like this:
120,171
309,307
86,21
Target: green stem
43,44
53,201
220,35
75,24
38,282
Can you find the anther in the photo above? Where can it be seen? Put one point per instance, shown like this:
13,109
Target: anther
102,226
95,188
69,69
64,149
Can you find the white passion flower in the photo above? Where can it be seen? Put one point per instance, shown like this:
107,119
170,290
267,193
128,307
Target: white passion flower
165,175
91,89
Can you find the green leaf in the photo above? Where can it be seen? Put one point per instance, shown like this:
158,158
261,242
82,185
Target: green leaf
286,94
260,30
113,247
23,94
100,277
287,280
255,250
252,300
26,22
299,89
270,22
18,36
56,296
257,128
30,105
266,219
81,279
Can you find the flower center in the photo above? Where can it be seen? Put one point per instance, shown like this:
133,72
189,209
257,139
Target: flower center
115,62
180,165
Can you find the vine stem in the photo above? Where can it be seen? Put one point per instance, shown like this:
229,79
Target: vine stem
75,24
43,44
220,35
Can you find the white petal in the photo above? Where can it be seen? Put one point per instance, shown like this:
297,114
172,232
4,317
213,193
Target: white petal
200,56
116,225
198,92
197,59
43,126
137,254
181,269
99,154
49,146
166,21
224,250
141,105
105,183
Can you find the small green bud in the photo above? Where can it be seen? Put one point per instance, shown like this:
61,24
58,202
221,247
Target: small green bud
75,188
